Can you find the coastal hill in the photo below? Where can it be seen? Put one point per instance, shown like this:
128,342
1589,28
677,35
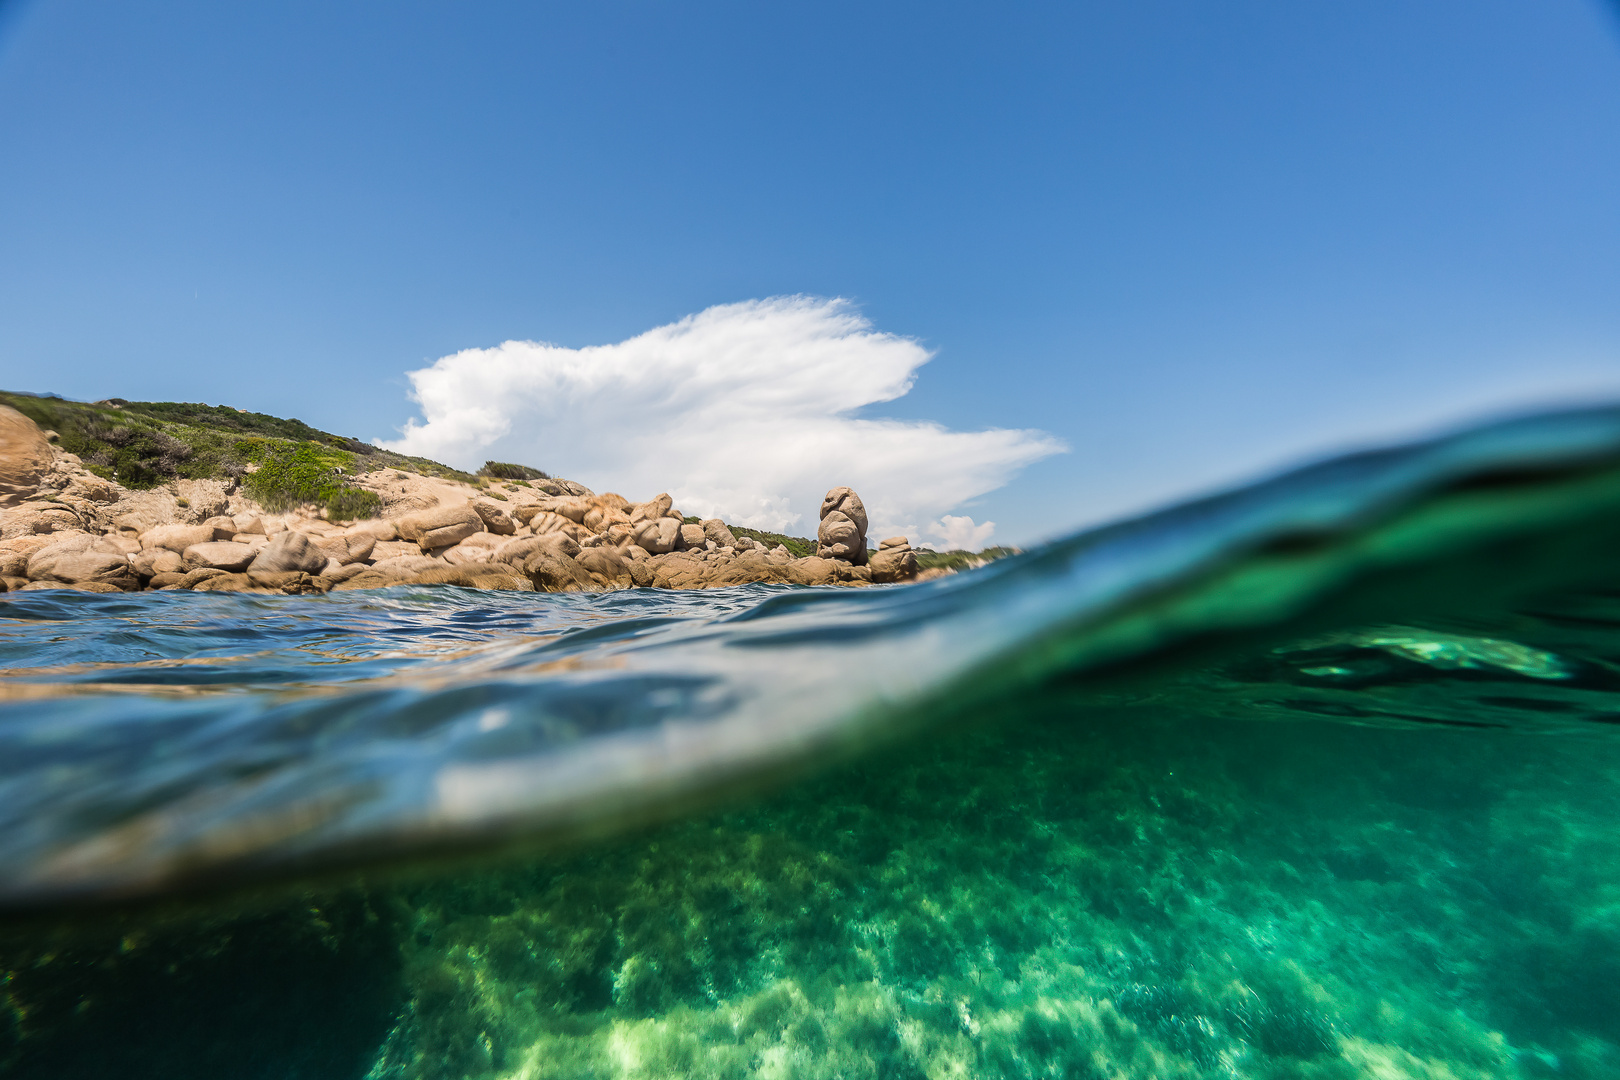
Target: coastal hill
121,492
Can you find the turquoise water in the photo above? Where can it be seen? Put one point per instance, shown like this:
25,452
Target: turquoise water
1314,779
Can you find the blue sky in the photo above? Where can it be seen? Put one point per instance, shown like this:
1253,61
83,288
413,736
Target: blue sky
1189,241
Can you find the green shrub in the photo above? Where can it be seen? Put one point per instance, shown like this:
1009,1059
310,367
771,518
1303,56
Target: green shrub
960,560
798,546
253,450
505,470
135,456
307,474
353,504
144,444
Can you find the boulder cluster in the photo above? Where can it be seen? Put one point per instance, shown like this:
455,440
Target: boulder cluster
62,527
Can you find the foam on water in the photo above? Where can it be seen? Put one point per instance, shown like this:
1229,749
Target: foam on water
1313,779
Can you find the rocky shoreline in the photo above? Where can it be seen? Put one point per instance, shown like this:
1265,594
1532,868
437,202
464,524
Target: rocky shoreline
63,527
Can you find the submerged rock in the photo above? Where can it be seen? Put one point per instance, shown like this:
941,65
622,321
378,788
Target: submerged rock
73,563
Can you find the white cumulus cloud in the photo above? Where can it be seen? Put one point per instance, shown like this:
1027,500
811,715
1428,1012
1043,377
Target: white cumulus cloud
743,411
961,534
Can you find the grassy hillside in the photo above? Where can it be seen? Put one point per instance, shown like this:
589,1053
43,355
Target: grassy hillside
281,463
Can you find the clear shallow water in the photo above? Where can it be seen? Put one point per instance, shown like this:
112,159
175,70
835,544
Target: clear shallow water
1317,779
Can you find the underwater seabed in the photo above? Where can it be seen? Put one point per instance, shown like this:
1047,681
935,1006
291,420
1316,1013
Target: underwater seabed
1318,779
1064,895
1052,892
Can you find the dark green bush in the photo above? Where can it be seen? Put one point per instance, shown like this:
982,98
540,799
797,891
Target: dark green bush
505,470
136,457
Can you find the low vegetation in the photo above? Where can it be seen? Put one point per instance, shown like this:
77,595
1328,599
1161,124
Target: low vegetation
506,470
280,462
927,559
303,473
798,545
960,560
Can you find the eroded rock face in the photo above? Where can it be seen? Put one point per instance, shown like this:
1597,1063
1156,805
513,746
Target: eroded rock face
149,562
463,554
38,519
474,577
840,538
71,544
658,537
601,518
572,507
76,586
346,548
177,538
382,530
141,511
224,555
846,502
894,564
289,551
82,567
495,517
208,498
894,561
516,552
652,509
607,563
25,456
715,529
441,526
545,523
552,574
404,566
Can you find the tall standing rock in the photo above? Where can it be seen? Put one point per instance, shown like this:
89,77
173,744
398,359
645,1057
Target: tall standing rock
25,456
842,534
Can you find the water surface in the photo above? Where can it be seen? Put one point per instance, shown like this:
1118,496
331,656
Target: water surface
1313,779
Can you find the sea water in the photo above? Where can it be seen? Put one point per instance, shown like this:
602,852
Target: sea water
1317,778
